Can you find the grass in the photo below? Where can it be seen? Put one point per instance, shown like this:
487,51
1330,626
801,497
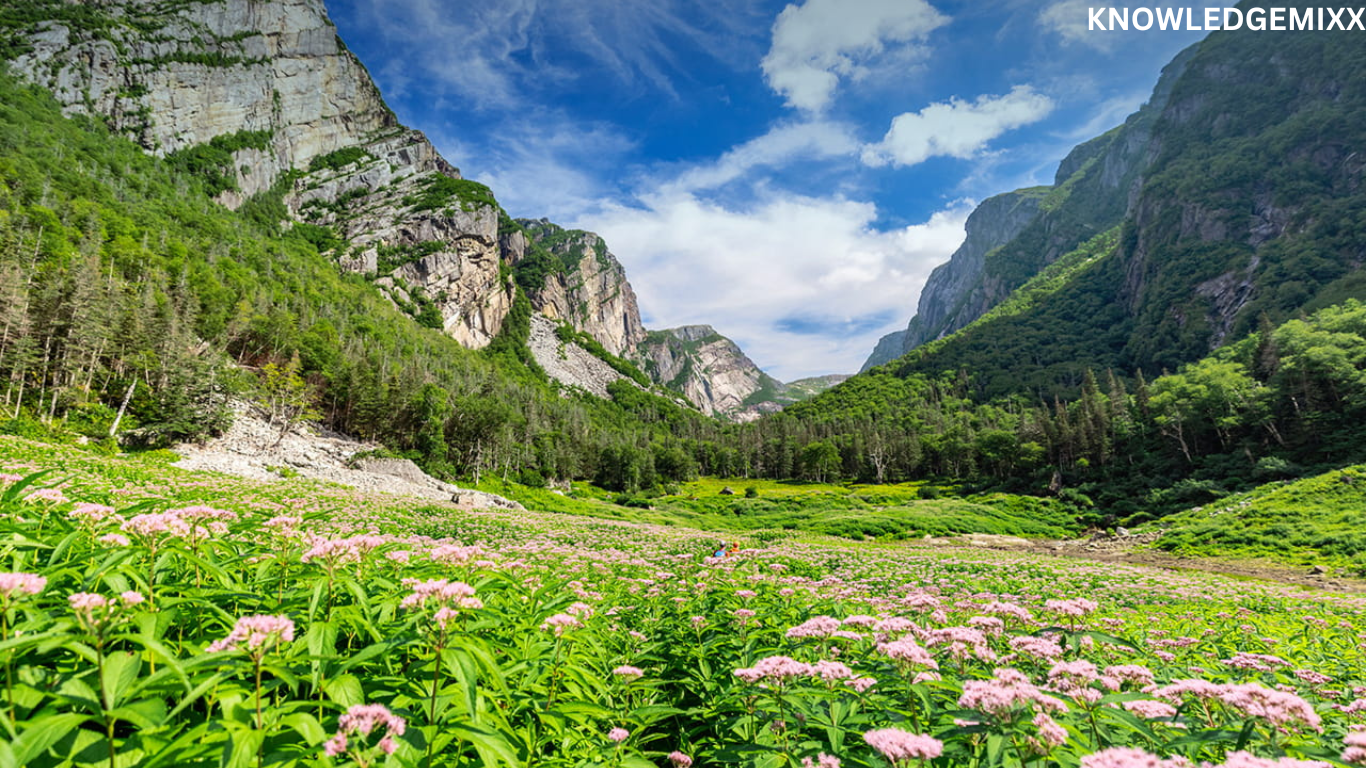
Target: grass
1318,520
895,512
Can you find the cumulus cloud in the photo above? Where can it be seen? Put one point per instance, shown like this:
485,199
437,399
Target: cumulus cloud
1068,20
805,285
821,41
956,128
782,144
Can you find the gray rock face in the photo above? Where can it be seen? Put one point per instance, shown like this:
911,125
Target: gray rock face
1032,227
590,292
710,370
947,302
175,76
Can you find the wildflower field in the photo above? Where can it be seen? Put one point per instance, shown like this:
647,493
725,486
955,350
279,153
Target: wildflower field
150,617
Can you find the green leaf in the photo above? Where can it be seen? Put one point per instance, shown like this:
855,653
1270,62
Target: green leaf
39,735
346,690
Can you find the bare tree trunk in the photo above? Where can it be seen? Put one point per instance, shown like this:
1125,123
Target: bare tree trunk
122,408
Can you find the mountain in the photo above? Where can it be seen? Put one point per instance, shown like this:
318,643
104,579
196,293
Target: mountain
263,99
1244,204
952,296
712,372
1011,237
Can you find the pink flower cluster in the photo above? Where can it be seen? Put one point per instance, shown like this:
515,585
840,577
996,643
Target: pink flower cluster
1355,751
1279,708
816,626
822,761
256,635
53,495
679,760
14,585
1075,608
361,720
560,623
775,670
95,612
1004,693
907,651
628,673
900,746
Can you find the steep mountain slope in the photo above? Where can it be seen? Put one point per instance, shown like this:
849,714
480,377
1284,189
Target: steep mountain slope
263,100
945,300
1250,204
717,376
1011,237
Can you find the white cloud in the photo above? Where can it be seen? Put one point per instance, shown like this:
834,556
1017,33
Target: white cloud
1068,19
957,128
816,140
805,285
546,166
821,41
497,55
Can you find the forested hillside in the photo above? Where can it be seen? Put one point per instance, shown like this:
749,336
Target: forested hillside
119,273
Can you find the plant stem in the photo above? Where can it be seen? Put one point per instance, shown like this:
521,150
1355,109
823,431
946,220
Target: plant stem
436,684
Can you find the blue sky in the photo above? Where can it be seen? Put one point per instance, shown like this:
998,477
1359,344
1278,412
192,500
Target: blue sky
789,173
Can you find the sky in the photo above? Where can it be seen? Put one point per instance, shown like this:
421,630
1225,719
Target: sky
788,173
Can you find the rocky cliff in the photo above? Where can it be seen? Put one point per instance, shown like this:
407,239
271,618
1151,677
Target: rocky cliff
571,276
1011,237
263,98
952,296
707,368
716,375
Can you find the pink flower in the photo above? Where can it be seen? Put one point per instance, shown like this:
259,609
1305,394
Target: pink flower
831,671
440,592
94,612
822,761
1150,709
335,746
1051,735
1038,647
361,720
1003,694
1072,608
1128,757
1248,760
900,746
53,495
909,652
680,760
21,584
256,635
152,525
628,673
90,513
114,540
861,684
560,623
774,669
618,734
816,626
1355,741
